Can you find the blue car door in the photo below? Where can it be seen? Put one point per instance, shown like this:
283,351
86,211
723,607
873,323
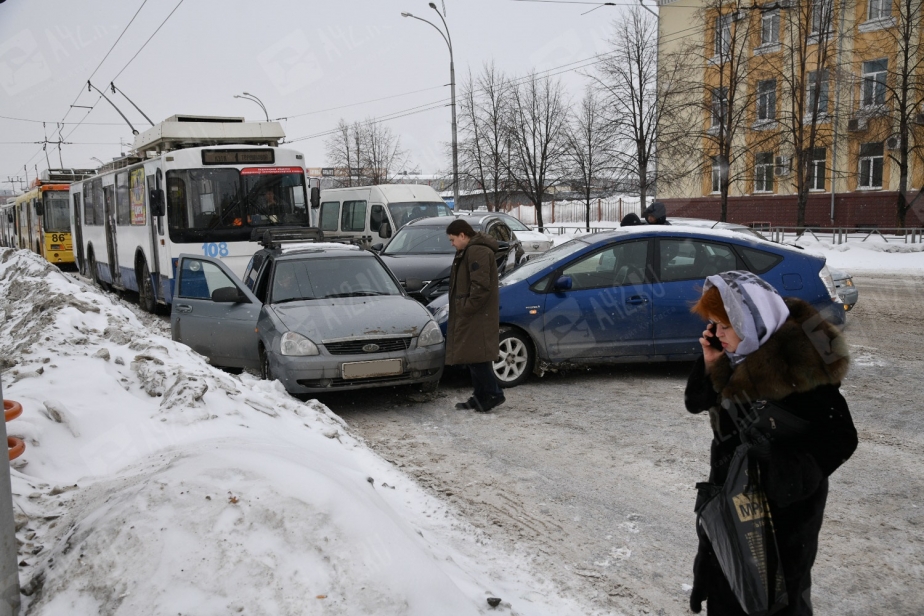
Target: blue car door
600,306
683,264
225,332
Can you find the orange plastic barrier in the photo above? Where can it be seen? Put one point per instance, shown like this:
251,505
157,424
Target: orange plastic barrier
12,410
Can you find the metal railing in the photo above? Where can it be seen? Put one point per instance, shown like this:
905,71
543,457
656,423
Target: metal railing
840,235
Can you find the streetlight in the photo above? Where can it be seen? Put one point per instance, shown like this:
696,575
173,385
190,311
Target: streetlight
101,163
452,86
247,96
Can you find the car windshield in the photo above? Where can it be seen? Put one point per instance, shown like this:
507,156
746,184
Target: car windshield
403,213
537,264
328,277
57,217
225,204
415,240
514,224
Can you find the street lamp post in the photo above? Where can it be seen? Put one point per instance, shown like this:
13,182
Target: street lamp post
452,88
247,96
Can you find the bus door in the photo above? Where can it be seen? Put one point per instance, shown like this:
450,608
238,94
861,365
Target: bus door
154,266
78,235
111,246
27,236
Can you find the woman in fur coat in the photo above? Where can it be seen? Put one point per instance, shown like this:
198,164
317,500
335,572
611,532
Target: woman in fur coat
781,352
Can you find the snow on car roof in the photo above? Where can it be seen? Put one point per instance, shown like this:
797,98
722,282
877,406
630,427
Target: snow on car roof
316,247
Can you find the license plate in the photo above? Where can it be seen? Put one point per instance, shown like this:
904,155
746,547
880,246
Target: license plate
367,369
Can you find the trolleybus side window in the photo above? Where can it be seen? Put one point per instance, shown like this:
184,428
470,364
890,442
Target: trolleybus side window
87,204
330,212
123,208
353,217
99,215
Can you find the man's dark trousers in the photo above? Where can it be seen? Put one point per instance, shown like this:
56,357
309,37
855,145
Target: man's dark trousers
484,381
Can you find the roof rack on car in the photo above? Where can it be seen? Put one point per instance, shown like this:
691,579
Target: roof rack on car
276,237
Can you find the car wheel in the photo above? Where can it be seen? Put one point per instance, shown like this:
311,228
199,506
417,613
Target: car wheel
515,358
146,298
265,371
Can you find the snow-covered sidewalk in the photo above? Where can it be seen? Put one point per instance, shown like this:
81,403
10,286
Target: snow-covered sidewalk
153,483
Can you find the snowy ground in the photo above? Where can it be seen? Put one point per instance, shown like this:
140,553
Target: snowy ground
153,483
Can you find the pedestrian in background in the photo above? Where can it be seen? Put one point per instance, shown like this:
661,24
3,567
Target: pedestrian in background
656,214
771,380
473,331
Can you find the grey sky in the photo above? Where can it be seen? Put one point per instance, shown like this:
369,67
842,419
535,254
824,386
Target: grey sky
297,56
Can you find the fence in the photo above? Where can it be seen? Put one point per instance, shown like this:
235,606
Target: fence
841,235
601,210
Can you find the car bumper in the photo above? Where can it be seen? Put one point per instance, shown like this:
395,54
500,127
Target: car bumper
320,373
848,295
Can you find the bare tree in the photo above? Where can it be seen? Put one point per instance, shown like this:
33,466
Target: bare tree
628,76
893,98
483,148
368,152
590,148
806,45
537,125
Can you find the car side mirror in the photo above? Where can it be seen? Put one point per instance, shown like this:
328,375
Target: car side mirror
229,295
385,230
315,197
503,245
157,201
413,285
563,283
377,247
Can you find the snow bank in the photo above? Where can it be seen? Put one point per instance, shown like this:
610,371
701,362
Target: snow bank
153,483
873,255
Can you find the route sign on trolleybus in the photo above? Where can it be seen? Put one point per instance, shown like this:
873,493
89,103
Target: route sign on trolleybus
192,184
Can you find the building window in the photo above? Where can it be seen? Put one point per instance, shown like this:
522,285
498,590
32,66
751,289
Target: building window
770,28
874,82
766,100
763,172
722,35
719,106
870,165
822,90
816,170
879,9
821,16
716,174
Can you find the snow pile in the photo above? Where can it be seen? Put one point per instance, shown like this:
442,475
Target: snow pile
875,254
153,483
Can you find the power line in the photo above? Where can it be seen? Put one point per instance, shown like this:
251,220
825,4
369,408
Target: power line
374,100
3,117
149,40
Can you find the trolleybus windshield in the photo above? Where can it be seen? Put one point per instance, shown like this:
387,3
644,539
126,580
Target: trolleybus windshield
57,217
224,204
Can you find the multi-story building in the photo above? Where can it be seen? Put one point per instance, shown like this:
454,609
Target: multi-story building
818,97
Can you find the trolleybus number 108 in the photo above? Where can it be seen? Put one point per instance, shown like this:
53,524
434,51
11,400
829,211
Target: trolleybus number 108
215,249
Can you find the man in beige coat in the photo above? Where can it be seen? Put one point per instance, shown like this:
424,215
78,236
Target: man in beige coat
472,332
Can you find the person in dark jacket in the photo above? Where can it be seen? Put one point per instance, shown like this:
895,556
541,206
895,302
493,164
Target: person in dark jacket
656,214
630,220
473,330
777,352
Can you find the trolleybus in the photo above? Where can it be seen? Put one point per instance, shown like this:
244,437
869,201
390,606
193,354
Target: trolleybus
41,222
193,184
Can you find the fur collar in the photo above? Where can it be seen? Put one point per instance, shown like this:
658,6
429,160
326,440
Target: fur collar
805,353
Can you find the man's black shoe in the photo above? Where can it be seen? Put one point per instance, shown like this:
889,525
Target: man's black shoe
492,402
471,403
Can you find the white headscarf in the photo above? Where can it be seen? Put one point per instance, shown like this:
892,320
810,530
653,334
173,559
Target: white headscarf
754,308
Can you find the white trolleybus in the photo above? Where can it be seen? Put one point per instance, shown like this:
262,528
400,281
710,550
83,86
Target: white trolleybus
193,184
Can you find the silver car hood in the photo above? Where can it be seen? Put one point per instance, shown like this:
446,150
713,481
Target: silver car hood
353,317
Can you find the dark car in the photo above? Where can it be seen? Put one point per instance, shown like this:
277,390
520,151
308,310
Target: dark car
625,296
420,254
315,316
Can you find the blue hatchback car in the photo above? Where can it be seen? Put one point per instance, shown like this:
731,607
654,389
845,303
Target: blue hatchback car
625,296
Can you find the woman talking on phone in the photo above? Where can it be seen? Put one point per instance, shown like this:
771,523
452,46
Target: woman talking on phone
769,375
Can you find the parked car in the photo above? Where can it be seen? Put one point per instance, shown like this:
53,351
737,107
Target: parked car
373,214
316,317
846,290
625,296
534,243
420,254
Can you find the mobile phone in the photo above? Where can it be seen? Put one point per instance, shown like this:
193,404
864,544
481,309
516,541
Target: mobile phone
712,339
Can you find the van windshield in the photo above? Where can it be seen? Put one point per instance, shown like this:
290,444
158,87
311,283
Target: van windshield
403,213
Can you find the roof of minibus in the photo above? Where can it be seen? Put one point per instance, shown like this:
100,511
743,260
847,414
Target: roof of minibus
391,192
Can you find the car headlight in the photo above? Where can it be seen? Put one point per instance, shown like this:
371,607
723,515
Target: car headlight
430,335
442,314
296,344
828,281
